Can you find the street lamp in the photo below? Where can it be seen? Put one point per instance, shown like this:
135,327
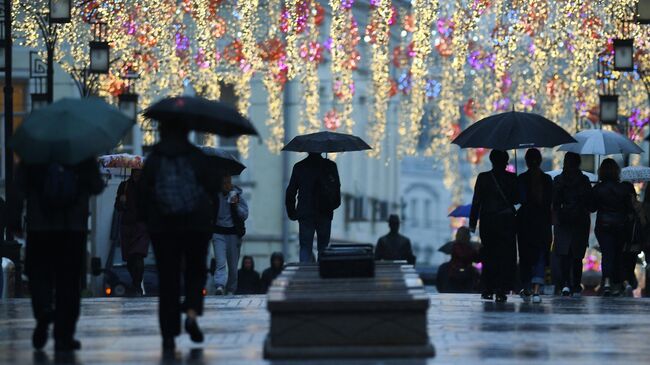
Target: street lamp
643,12
624,55
99,50
609,109
60,11
128,104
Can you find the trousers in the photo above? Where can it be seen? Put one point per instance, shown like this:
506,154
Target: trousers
226,251
322,227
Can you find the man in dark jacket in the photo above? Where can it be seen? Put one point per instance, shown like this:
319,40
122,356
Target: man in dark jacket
394,246
248,280
277,266
495,194
316,182
57,228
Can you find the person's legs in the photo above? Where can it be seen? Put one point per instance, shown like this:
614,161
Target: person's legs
233,245
195,249
565,271
307,228
539,269
608,250
487,272
576,277
323,232
69,258
526,263
40,269
138,272
220,254
166,248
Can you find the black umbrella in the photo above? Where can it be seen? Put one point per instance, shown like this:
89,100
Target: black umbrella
225,160
449,246
201,115
513,130
326,142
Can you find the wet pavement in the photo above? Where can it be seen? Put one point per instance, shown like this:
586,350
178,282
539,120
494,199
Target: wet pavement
464,330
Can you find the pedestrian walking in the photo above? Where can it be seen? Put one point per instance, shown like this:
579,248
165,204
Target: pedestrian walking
572,199
134,239
495,194
276,268
633,245
57,197
394,246
316,182
178,184
248,280
534,233
227,238
613,204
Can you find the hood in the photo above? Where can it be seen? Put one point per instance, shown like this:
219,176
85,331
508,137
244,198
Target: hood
252,261
274,256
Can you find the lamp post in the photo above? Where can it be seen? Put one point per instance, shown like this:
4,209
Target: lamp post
643,12
608,100
128,104
624,55
99,50
37,78
6,63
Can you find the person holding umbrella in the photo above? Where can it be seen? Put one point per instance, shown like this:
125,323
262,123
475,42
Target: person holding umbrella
56,177
315,180
177,201
495,195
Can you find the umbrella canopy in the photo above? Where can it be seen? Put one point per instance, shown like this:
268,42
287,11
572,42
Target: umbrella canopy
513,130
122,160
201,115
70,131
225,159
449,246
592,177
326,142
461,211
635,174
600,142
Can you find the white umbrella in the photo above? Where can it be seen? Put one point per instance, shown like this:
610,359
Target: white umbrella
600,142
592,177
635,174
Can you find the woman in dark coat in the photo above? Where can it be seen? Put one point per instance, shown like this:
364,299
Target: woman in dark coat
613,204
571,201
534,225
495,194
134,239
248,280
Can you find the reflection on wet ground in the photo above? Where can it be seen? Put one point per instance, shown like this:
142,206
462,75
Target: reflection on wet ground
464,330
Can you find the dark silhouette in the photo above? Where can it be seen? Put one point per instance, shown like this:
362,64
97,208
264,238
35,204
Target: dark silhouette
178,182
633,243
276,268
248,280
316,182
134,239
57,199
495,194
227,238
613,204
394,246
458,275
534,232
572,197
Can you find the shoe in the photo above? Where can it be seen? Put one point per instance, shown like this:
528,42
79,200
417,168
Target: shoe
486,296
501,298
39,337
525,295
168,346
220,291
76,344
192,328
66,346
607,291
566,291
537,298
629,291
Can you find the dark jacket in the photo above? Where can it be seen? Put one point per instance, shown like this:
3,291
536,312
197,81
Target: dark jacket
491,207
304,178
203,218
572,199
534,216
394,246
248,281
28,188
129,209
271,273
612,200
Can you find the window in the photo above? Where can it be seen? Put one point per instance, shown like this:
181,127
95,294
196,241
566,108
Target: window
20,110
414,212
427,214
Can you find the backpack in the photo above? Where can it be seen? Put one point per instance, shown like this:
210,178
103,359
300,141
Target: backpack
177,190
328,193
60,186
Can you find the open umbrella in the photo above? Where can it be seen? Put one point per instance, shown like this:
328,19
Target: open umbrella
600,142
70,131
592,177
225,160
461,211
635,174
326,142
513,130
123,161
202,115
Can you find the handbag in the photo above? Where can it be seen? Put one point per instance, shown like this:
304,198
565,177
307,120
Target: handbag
511,209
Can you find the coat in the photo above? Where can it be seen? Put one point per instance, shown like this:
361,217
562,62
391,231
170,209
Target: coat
491,209
203,218
248,281
134,239
28,188
394,246
534,216
572,200
304,178
613,202
270,274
